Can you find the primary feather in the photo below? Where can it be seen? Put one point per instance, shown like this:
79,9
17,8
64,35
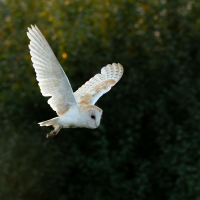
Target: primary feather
50,75
93,89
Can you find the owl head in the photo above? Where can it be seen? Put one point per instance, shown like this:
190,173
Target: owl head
92,116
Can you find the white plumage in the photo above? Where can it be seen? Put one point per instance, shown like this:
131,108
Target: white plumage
100,83
74,109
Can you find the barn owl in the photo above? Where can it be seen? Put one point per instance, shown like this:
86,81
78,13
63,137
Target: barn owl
73,109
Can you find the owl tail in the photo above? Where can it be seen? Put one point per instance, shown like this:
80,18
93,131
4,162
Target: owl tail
51,122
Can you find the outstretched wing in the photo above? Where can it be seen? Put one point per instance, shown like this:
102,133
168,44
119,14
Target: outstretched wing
93,89
50,75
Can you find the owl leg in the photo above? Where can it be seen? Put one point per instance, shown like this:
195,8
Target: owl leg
54,132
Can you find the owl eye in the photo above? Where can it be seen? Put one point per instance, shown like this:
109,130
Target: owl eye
93,117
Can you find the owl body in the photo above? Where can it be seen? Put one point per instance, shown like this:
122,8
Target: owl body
82,116
71,118
74,109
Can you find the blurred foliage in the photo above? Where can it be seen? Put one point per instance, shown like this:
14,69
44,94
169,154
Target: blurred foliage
148,144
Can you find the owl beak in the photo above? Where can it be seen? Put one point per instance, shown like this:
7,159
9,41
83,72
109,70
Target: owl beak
96,124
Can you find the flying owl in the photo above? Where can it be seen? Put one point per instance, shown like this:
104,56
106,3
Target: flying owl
73,109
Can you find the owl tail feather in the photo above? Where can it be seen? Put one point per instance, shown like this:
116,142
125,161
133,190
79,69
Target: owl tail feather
51,122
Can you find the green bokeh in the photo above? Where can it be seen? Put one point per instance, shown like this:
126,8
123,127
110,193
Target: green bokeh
148,144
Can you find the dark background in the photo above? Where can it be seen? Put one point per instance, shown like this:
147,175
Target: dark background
148,144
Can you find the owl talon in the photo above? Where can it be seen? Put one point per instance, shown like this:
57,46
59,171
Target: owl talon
51,134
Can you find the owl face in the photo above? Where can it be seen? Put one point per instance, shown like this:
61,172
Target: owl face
93,118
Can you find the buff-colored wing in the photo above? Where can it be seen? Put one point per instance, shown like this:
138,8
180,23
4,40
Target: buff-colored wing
50,75
93,89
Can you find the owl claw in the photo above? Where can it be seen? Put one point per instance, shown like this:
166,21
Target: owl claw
51,134
54,132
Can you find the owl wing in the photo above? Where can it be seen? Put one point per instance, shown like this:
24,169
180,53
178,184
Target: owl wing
93,89
50,75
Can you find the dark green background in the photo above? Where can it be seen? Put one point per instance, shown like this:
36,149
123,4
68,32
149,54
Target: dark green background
148,144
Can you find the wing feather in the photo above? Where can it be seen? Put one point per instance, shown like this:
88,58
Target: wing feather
49,73
93,89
